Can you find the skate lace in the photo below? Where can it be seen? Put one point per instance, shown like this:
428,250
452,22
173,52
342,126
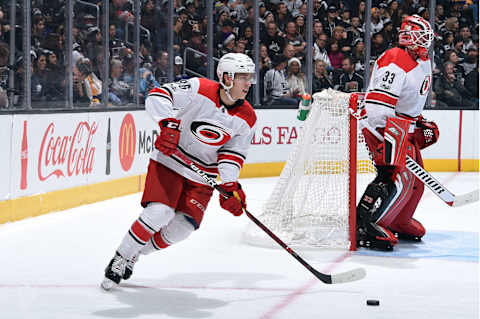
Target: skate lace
132,261
118,265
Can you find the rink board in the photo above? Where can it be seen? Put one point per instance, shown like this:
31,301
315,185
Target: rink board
67,154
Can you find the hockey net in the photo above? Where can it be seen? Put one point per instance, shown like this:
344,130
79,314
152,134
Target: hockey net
313,203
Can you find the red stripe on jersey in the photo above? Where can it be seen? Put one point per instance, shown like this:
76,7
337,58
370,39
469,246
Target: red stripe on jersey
158,241
245,112
141,232
399,57
161,91
381,98
209,89
230,157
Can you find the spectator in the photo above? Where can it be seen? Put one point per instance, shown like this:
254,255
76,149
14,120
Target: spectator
221,36
293,7
4,54
265,61
178,69
300,24
276,85
293,38
378,45
317,29
471,84
466,36
471,60
161,67
451,56
146,83
331,21
320,51
349,80
321,80
377,23
272,40
247,37
389,33
359,55
87,88
177,35
335,56
449,89
120,93
38,31
40,78
340,36
355,31
295,78
227,46
195,60
282,16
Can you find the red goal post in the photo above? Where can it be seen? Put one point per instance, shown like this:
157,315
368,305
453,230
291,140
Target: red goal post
313,204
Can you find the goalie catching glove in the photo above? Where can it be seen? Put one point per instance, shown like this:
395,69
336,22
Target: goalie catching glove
427,133
235,202
169,136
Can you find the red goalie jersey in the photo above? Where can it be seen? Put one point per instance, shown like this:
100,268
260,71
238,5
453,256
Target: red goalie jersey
399,86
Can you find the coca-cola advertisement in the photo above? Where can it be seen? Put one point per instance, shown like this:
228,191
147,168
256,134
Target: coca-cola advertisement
65,155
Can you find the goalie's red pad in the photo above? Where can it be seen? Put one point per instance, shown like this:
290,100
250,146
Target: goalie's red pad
396,141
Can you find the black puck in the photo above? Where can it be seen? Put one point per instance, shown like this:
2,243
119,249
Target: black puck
373,302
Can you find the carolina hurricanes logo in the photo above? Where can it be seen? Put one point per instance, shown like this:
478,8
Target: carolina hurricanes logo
209,134
425,85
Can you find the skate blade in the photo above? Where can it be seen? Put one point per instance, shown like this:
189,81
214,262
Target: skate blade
107,284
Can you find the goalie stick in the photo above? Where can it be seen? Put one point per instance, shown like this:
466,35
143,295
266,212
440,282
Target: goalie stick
348,276
425,177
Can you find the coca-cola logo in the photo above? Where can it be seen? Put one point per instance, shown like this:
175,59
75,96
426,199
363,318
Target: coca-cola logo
69,154
127,142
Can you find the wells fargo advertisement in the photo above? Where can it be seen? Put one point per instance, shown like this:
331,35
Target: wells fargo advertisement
45,153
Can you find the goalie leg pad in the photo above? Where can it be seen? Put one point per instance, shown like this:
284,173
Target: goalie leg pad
404,225
396,136
374,201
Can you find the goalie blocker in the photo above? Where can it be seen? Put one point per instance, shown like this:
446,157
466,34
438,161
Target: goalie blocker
385,210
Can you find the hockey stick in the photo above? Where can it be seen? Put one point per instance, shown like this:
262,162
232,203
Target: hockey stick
352,275
426,178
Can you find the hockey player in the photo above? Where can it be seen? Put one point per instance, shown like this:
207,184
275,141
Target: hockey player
394,128
212,125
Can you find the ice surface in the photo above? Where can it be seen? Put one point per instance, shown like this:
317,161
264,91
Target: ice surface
51,267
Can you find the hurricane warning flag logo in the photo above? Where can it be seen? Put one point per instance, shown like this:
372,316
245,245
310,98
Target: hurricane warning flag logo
209,133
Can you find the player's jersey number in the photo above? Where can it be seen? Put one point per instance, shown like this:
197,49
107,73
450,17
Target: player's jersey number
389,77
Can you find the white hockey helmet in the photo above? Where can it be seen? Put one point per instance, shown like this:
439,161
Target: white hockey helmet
232,63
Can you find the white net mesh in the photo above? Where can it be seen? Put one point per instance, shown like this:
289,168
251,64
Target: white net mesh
309,206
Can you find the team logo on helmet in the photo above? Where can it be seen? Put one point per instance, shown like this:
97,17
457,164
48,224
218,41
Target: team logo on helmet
209,133
425,85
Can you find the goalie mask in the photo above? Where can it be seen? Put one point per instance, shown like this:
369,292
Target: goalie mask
416,34
235,63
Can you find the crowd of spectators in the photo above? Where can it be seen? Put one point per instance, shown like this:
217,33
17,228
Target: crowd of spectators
338,49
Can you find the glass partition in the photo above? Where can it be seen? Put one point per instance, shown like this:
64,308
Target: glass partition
84,54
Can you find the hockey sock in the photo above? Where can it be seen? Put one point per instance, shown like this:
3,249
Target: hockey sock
136,238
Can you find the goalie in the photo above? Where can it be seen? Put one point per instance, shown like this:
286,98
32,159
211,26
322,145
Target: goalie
394,128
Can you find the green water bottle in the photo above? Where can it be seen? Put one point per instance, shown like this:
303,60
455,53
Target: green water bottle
304,107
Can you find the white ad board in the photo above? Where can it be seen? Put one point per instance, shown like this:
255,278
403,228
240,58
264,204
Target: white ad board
47,152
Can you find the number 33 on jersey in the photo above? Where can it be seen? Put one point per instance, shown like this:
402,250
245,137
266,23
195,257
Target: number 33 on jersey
399,84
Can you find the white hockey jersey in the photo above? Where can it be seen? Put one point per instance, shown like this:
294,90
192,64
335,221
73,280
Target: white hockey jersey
214,137
398,86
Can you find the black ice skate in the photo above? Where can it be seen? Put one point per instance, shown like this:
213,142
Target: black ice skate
368,240
129,267
114,272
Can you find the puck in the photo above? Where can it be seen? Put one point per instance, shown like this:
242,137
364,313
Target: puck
373,302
